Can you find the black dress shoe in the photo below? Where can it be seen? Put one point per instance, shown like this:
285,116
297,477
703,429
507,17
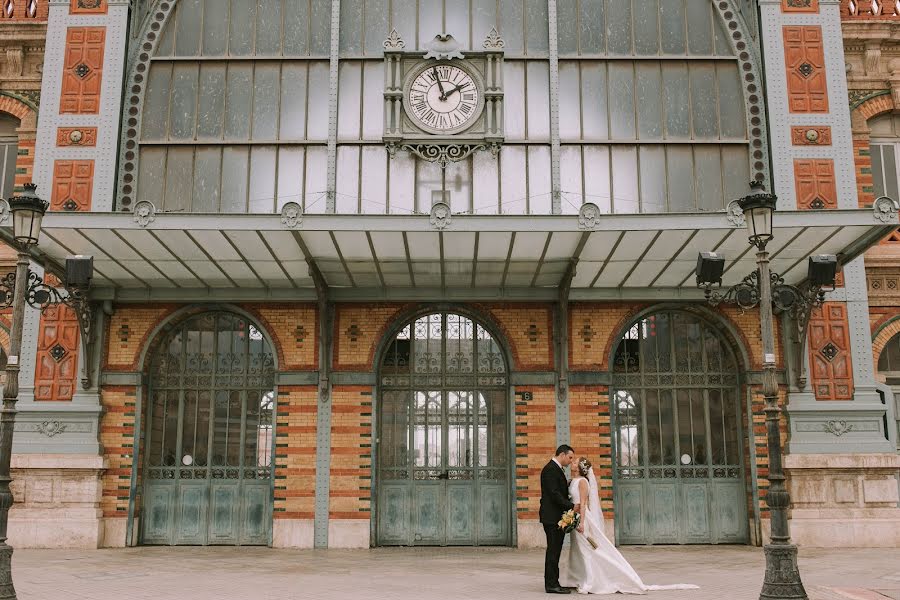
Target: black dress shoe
558,590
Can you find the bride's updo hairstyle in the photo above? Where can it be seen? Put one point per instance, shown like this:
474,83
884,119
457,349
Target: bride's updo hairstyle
584,465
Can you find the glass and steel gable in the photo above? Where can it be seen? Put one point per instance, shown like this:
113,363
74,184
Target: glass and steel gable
232,112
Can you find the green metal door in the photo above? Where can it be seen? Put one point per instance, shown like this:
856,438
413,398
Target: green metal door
679,476
208,440
443,437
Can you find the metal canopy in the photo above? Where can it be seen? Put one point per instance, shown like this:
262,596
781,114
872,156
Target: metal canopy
237,256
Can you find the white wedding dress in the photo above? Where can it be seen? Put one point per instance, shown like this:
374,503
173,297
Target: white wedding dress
602,570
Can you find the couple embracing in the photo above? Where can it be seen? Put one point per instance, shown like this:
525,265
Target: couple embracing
594,564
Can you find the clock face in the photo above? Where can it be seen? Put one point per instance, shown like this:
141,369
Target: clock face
444,98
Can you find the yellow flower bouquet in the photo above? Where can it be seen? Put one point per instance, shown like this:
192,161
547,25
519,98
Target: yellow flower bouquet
569,521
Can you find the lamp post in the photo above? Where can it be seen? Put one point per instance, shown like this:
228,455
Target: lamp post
782,578
27,212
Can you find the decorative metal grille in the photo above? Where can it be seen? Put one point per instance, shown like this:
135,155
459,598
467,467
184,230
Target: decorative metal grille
212,396
676,401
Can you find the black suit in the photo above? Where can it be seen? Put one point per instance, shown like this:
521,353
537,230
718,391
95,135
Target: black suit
554,502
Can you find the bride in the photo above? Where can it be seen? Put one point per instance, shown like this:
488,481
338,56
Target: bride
595,566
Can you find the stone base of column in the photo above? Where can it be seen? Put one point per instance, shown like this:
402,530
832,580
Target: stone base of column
56,501
348,533
293,533
844,500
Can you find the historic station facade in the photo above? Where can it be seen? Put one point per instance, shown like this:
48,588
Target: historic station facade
360,265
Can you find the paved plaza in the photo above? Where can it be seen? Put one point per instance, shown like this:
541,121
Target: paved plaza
729,572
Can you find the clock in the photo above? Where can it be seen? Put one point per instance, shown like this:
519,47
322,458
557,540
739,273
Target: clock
443,98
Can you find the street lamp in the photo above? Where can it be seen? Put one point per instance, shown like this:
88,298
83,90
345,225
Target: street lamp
782,579
27,213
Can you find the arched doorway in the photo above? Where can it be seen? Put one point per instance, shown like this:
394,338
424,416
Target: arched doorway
889,372
679,476
209,434
444,436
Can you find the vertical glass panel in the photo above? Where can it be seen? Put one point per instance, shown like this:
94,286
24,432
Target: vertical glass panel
735,171
427,437
460,428
190,14
685,437
212,101
235,162
403,183
513,190
676,100
238,101
351,27
156,102
536,24
484,17
497,426
708,173
166,44
733,123
618,28
629,426
484,184
625,180
570,178
235,410
293,101
403,19
680,166
653,179
201,451
268,28
316,170
374,180
179,182
373,101
698,428
654,440
265,101
889,165
241,27
458,178
188,428
262,179
207,179
377,29
320,27
317,117
598,185
392,452
648,89
567,27
593,26
731,411
428,180
594,110
703,101
296,27
646,27
672,27
512,23
877,170
541,200
349,97
717,427
290,175
431,20
457,18
667,426
538,102
152,169
184,101
699,21
252,429
347,201
514,99
215,28
621,103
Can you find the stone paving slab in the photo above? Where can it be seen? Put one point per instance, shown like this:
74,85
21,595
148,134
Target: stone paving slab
723,572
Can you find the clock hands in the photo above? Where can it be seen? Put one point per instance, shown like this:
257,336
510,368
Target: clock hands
459,87
440,85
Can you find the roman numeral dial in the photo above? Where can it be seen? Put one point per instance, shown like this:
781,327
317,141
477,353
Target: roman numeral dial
443,97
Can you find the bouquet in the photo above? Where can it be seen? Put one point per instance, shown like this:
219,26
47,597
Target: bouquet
569,521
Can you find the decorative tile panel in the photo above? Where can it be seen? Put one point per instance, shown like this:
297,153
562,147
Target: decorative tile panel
76,136
800,6
87,7
57,353
804,57
72,185
831,370
815,184
83,70
811,136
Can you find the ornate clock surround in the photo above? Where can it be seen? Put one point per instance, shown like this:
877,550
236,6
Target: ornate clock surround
403,132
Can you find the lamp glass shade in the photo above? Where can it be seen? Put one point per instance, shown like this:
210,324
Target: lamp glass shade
27,214
759,208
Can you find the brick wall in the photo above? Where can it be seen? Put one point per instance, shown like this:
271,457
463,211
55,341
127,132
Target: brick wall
535,442
589,411
350,470
117,439
295,452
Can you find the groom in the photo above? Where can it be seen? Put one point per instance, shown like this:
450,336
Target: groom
554,502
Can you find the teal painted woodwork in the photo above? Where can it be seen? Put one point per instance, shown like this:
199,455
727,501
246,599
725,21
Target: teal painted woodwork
443,466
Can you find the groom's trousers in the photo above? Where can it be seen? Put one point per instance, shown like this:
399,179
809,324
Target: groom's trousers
555,538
